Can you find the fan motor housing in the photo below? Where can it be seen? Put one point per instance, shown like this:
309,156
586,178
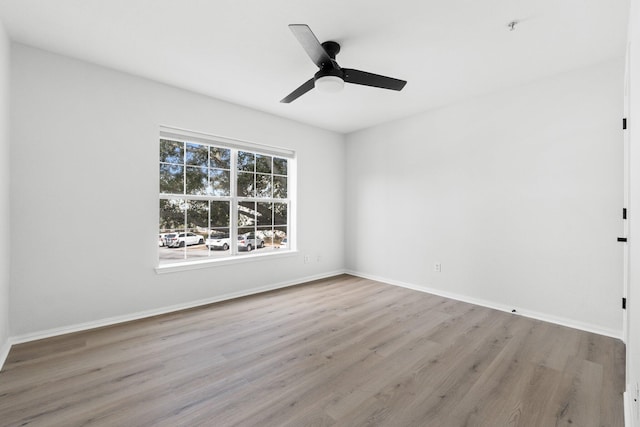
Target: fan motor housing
337,72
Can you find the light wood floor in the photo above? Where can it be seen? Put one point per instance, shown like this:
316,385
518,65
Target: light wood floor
337,352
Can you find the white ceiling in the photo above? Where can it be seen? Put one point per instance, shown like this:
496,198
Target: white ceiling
242,50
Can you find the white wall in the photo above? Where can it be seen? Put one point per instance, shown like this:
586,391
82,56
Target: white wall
5,229
517,194
633,342
84,182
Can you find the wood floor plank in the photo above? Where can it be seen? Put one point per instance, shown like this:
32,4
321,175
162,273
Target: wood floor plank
343,351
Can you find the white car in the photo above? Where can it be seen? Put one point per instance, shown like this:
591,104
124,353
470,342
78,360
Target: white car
283,243
180,240
218,241
248,242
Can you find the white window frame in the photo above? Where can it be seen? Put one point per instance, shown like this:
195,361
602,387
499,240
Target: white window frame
235,145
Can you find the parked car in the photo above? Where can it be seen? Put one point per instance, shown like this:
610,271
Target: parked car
180,240
249,241
283,243
218,241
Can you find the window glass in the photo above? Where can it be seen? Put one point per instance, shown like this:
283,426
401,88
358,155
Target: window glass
220,158
171,215
198,197
280,187
263,163
246,161
264,185
264,214
197,155
198,224
197,180
171,152
219,182
246,184
171,178
220,216
279,166
246,214
280,211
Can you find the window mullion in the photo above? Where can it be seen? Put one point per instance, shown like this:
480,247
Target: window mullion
233,215
184,192
184,168
210,187
186,209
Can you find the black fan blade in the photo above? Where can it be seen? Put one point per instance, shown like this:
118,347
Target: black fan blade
369,79
310,43
306,87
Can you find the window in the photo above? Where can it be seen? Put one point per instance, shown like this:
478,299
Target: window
221,198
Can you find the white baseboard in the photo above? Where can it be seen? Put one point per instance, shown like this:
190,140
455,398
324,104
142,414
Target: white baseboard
163,310
496,306
4,352
628,421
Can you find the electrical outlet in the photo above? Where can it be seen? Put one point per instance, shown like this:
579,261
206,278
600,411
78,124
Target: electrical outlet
437,267
307,258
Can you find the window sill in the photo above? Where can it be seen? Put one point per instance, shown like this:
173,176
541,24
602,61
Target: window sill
209,263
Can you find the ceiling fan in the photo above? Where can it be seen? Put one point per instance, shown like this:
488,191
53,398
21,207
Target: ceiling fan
331,77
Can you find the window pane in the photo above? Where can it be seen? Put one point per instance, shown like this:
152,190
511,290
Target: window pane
245,232
171,179
266,234
280,214
197,180
220,158
263,163
280,187
219,181
171,151
219,214
247,240
219,233
172,224
263,185
246,214
280,238
171,215
245,184
197,229
279,166
265,216
219,240
197,154
198,216
246,161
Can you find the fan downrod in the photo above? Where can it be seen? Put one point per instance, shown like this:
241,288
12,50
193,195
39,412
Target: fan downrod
332,49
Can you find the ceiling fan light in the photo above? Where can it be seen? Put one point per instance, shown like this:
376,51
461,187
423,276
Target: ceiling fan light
329,84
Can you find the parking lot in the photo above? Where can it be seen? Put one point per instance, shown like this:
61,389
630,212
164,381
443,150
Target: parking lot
196,252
